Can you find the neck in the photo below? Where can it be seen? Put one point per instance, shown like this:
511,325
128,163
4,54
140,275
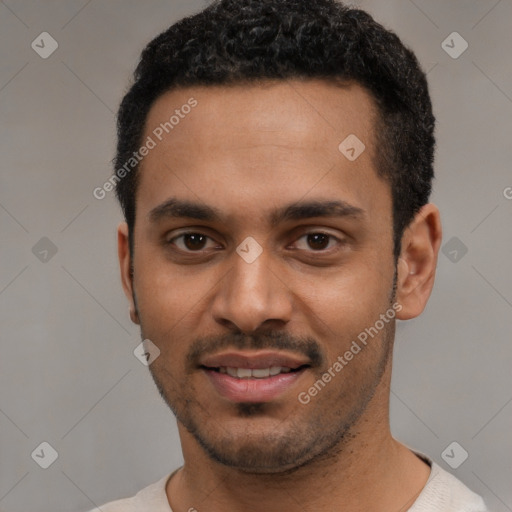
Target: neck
368,470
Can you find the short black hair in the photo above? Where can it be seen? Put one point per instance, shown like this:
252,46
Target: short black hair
243,41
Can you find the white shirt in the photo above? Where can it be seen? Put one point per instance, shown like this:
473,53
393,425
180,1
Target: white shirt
442,493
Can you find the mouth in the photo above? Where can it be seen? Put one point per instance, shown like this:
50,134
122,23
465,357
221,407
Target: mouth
253,378
255,373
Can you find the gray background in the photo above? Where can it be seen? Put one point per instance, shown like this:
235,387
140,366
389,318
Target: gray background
68,374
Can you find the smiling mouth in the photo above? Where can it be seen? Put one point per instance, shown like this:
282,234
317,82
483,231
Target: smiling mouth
255,373
254,376
253,385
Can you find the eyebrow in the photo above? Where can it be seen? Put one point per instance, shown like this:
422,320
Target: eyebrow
300,210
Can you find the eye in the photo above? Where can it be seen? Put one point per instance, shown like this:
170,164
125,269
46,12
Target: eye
318,241
190,241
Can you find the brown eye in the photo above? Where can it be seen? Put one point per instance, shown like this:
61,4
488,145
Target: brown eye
190,242
318,241
194,241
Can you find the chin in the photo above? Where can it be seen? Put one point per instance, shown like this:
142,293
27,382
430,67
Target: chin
267,450
251,459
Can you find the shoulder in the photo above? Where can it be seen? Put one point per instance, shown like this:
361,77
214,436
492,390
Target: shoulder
152,498
444,492
460,496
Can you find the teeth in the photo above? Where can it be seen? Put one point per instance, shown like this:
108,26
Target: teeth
261,373
232,372
243,373
257,373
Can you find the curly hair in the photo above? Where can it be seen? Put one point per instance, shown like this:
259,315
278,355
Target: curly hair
244,41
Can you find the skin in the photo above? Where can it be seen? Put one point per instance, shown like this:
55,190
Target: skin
247,150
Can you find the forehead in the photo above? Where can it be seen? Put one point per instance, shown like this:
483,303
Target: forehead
249,145
281,111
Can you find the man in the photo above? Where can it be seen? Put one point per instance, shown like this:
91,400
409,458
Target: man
274,166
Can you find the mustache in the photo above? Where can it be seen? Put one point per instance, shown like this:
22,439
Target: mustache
276,340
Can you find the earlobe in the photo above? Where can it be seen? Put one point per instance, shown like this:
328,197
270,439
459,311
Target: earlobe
123,251
417,262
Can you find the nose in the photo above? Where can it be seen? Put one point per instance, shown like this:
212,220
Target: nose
252,295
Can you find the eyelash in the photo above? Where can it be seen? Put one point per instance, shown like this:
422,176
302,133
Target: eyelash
320,251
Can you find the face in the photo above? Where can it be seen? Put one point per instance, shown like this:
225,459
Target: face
261,253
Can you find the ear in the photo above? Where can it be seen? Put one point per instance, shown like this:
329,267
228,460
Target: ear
123,252
417,262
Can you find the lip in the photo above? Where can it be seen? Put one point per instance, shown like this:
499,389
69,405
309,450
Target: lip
253,390
252,360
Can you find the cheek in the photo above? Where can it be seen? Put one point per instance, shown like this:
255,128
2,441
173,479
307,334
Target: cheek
166,299
340,308
351,293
